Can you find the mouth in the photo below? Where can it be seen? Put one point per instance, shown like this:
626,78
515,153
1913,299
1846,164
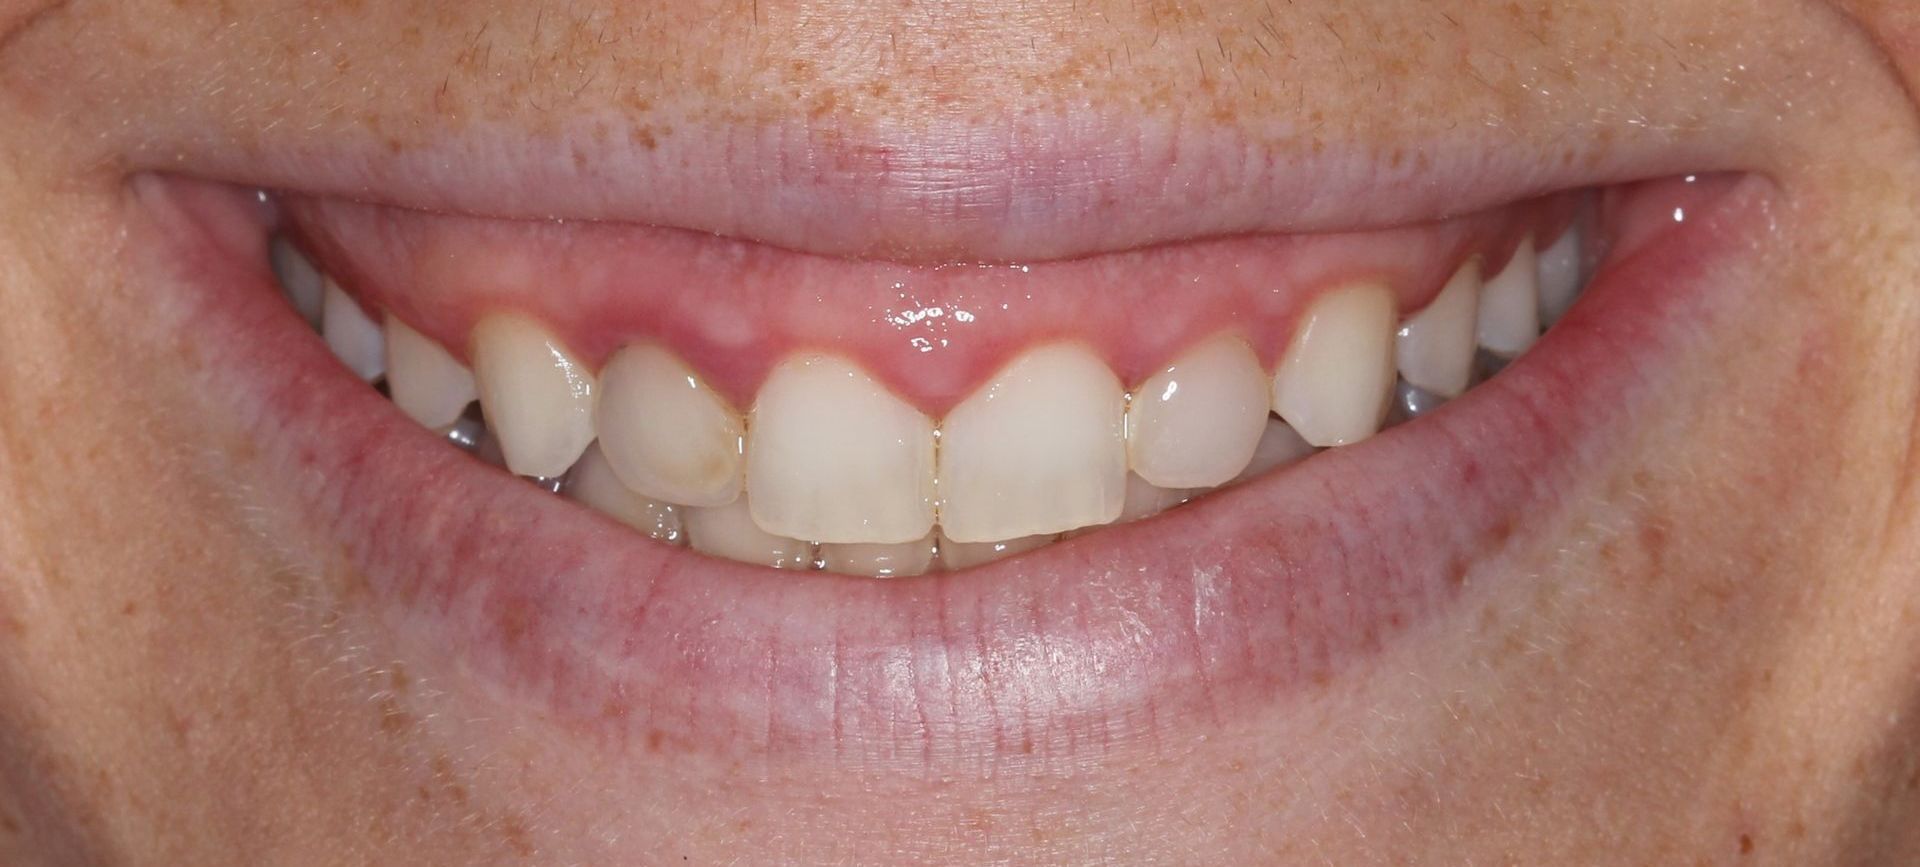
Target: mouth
664,485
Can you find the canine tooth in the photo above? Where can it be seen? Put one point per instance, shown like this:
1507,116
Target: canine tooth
1196,423
1040,450
299,279
1434,349
1280,445
593,484
538,398
879,561
832,456
955,556
1145,499
1559,276
425,380
666,433
729,532
1337,376
1510,305
352,335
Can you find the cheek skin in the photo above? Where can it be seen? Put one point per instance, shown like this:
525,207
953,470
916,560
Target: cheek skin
1711,655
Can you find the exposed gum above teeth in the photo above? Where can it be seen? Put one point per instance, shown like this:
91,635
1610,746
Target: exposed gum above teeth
828,468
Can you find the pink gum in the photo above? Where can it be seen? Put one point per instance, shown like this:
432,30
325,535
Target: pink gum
733,309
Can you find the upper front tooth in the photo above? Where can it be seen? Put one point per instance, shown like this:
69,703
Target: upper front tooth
833,457
1510,305
729,532
1435,348
1559,276
1336,379
537,397
352,335
666,432
593,483
1039,450
299,279
425,380
1196,423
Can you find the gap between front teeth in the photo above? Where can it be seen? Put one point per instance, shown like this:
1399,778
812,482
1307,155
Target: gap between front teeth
830,470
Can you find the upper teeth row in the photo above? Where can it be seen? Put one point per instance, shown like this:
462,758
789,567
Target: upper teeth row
1054,442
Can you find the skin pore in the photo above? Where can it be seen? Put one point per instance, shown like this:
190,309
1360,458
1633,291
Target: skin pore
1710,653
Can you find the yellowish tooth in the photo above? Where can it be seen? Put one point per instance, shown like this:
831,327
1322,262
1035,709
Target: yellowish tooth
879,561
537,396
424,379
1336,377
666,433
955,556
1510,306
1196,423
352,335
729,532
594,485
1039,450
833,456
1435,348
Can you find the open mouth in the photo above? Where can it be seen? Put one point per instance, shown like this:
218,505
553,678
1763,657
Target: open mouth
1097,487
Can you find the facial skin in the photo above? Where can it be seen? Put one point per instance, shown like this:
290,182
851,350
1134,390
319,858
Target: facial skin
1712,654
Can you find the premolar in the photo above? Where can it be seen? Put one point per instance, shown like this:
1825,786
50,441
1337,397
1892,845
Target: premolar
1040,450
1510,305
833,456
1435,348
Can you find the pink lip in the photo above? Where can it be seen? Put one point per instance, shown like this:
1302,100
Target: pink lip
1203,613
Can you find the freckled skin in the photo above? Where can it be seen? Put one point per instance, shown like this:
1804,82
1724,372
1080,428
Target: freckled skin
1713,660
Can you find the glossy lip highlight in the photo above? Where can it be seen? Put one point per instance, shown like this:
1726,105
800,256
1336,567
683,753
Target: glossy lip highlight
1203,613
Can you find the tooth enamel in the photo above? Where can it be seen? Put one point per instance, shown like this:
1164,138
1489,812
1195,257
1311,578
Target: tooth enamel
1145,499
1196,423
593,484
1337,375
352,335
1510,305
666,433
537,397
1434,349
1412,402
729,532
832,456
955,556
425,380
1559,276
1279,446
1039,450
299,279
879,561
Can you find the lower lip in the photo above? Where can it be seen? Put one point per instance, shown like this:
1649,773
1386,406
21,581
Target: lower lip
1221,608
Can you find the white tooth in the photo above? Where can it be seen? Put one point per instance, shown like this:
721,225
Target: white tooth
1559,276
879,561
537,397
1510,305
833,456
352,335
1144,499
425,380
1196,423
955,556
593,483
1337,376
666,432
729,532
1279,446
1435,348
1040,450
299,279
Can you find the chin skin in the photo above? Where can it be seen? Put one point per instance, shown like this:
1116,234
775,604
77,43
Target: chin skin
1713,655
